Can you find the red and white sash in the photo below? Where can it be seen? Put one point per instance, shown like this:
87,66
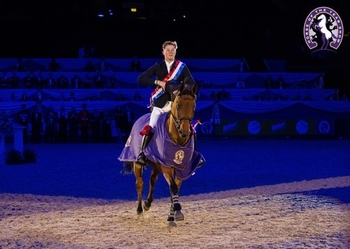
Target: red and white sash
172,75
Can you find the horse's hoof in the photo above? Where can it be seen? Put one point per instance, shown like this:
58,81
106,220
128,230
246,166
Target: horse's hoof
179,215
146,206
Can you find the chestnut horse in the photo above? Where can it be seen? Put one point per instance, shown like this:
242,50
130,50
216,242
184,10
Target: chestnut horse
170,152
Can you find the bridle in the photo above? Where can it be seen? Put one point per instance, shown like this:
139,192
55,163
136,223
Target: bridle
177,120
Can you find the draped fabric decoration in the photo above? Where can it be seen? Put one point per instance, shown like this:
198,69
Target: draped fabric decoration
161,149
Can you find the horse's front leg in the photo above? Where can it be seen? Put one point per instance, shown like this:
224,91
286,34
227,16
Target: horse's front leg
174,193
138,172
175,208
152,182
178,215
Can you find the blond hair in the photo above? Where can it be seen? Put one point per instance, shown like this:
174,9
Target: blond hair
173,43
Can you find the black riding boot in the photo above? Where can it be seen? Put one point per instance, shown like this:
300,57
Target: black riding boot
141,159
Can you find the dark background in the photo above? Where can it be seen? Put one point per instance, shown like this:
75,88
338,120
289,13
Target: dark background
253,29
210,29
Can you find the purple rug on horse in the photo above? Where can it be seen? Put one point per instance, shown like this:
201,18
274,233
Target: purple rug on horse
185,159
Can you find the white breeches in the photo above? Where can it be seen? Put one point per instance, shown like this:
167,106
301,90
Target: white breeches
156,112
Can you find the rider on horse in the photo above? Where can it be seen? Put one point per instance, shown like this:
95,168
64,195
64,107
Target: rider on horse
167,75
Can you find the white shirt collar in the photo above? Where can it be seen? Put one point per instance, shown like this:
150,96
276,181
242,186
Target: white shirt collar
168,65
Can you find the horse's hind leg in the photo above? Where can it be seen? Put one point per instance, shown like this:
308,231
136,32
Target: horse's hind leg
152,182
138,172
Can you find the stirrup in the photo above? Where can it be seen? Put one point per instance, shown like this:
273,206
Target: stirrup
141,159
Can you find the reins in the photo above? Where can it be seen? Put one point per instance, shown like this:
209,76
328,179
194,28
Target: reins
175,116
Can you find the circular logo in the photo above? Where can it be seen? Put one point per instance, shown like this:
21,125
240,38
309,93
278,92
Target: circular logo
324,127
254,127
302,127
323,29
179,156
206,128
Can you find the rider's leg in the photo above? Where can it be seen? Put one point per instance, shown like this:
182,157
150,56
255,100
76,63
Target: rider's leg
141,158
147,131
147,134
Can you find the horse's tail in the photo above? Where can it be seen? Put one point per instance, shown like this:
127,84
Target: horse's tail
127,168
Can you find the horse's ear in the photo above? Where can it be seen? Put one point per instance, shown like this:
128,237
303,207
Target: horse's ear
182,87
190,85
195,89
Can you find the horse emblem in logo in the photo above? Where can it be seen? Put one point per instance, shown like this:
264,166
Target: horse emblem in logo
323,29
179,156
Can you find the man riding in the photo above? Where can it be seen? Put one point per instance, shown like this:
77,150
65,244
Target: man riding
167,75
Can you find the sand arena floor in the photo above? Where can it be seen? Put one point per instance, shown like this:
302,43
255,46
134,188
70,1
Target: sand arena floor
250,194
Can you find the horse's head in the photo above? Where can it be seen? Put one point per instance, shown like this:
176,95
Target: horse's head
183,109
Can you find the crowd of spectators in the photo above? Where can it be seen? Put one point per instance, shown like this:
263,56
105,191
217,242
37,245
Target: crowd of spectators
96,75
73,125
35,80
86,125
100,80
